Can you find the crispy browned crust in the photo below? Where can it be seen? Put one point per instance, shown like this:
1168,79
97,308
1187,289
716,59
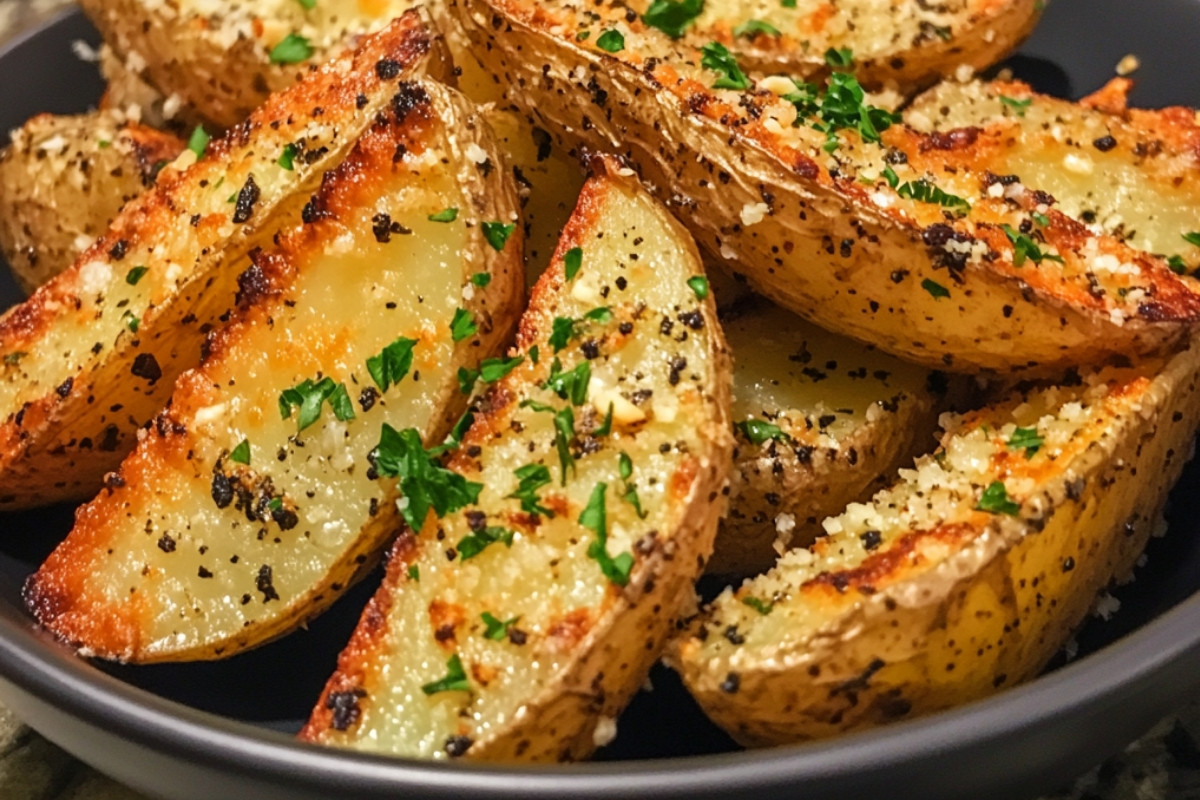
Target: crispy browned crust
704,140
55,444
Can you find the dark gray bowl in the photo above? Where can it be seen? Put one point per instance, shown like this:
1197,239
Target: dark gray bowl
221,729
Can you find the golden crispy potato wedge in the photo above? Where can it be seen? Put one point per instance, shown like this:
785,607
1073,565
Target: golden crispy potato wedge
224,59
516,627
965,577
896,45
820,422
1128,173
92,355
232,523
867,228
64,178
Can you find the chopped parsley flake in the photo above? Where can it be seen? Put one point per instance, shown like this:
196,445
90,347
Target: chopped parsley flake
758,431
241,453
594,519
840,106
1027,439
925,192
308,397
753,27
934,288
532,477
424,482
287,159
672,18
466,379
463,325
758,605
564,432
1026,249
630,495
1177,265
308,4
475,543
839,58
481,279
455,680
198,142
414,572
572,384
611,41
493,369
1040,219
131,321
14,358
496,629
134,275
292,49
1018,106
445,215
392,364
572,261
1192,238
497,233
605,427
889,175
562,331
455,437
995,500
699,285
718,58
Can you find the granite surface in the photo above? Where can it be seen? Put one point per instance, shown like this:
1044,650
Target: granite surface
1164,765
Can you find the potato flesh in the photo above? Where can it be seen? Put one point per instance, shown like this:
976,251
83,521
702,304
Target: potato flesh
921,599
186,573
1141,187
546,579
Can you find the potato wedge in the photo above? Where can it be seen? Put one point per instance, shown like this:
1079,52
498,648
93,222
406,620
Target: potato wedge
1128,173
224,59
964,578
526,650
859,226
64,178
896,45
167,267
819,422
231,524
127,91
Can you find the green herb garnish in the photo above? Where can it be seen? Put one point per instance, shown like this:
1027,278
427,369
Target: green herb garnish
995,499
758,605
241,453
594,519
718,58
475,543
1027,439
497,630
292,49
672,18
463,325
572,261
1025,248
532,477
497,233
753,27
424,482
445,215
455,680
611,41
198,141
934,288
134,275
392,364
758,431
699,285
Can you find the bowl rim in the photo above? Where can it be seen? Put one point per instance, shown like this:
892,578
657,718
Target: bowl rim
44,669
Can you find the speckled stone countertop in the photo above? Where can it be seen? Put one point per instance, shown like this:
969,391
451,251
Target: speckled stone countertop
1164,765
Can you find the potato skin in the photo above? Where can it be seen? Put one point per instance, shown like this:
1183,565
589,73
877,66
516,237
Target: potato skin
583,642
901,46
957,612
72,341
909,277
63,180
219,63
849,418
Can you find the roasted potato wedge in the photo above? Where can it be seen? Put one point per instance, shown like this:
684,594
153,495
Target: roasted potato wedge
820,422
860,226
231,524
516,627
127,91
896,45
224,59
130,315
62,181
965,577
1128,173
